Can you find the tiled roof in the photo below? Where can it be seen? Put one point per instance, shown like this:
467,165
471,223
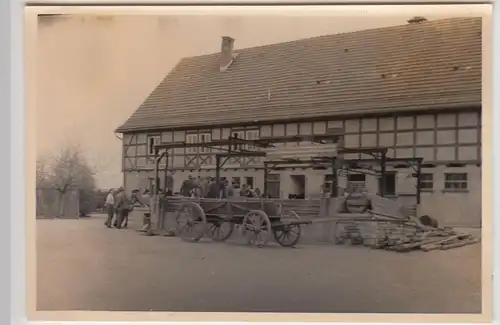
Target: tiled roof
434,64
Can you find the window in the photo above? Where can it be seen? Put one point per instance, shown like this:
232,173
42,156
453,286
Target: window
355,181
239,135
249,181
389,183
426,181
191,138
236,181
204,138
152,141
251,135
455,181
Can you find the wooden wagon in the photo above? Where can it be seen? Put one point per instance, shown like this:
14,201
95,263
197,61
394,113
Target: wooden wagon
258,220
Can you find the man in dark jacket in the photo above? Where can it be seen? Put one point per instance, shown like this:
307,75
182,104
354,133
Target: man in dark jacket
245,191
187,186
123,206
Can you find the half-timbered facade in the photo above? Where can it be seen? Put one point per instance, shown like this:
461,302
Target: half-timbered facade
392,105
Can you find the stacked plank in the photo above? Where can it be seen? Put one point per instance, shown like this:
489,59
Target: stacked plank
427,239
402,236
388,226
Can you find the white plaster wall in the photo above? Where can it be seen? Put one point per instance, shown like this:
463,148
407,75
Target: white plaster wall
451,209
454,209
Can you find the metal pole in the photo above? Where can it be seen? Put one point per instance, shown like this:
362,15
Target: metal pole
157,188
266,175
162,210
217,173
165,176
383,161
334,190
157,172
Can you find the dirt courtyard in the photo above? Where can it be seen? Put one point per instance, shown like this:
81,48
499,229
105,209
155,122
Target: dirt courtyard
81,265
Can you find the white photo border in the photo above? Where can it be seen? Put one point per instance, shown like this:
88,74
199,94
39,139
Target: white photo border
14,310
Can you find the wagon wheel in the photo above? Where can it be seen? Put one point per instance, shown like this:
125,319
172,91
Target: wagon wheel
256,228
288,235
220,230
191,222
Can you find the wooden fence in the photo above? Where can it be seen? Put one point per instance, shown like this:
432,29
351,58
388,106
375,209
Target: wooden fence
51,204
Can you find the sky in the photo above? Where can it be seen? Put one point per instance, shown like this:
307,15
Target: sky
93,72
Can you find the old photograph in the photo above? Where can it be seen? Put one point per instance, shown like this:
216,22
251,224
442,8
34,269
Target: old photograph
259,163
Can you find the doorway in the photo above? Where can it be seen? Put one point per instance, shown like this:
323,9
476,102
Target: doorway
298,186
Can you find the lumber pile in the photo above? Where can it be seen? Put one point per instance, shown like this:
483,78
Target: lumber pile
387,226
426,239
403,236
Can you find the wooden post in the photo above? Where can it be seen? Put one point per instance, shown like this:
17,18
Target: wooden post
157,190
282,205
217,174
334,189
419,184
162,214
383,162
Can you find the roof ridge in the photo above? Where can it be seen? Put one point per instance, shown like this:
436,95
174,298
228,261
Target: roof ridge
395,27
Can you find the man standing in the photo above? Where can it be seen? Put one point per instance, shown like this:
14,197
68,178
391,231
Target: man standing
169,186
244,190
227,189
187,186
110,207
123,206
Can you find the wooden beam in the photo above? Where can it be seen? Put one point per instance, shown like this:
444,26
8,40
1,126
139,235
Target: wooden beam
334,116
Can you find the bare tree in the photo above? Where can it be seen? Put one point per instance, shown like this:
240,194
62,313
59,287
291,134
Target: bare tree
68,171
41,172
41,183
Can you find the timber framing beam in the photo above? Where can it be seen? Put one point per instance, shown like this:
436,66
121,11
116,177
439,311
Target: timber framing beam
264,142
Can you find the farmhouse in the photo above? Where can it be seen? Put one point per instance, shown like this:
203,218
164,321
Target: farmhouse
414,89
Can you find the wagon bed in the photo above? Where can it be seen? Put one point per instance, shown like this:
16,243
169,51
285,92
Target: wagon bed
257,219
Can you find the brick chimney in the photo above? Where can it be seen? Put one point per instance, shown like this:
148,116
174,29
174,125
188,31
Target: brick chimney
417,20
227,55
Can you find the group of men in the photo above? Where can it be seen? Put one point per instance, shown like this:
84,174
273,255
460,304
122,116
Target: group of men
207,187
119,205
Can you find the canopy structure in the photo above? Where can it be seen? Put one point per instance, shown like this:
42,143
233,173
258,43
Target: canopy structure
324,151
236,147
